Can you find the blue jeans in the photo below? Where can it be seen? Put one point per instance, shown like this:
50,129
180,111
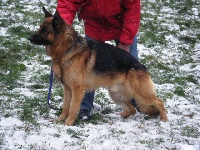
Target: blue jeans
87,102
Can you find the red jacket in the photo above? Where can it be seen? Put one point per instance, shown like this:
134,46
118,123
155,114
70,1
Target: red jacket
104,20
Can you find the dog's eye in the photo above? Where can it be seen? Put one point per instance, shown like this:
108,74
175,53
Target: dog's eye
44,30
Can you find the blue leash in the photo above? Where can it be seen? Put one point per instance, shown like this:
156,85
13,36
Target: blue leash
49,93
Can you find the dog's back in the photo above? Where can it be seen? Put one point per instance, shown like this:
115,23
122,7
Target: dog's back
113,59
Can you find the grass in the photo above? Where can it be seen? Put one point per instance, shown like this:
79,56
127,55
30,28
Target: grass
23,65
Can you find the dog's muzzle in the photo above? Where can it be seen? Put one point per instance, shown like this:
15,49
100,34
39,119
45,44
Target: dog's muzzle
37,40
31,39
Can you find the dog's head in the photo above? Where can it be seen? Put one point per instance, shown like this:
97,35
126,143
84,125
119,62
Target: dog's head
49,29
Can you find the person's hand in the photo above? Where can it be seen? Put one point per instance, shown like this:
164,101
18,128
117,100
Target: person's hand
125,47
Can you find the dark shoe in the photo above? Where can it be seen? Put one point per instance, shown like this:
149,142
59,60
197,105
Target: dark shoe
84,114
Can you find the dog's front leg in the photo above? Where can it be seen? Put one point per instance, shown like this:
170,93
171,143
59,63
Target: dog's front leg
77,96
66,103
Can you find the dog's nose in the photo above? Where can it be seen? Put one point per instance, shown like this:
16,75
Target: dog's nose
30,38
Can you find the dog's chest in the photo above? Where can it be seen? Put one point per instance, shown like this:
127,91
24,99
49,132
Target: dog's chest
57,71
65,70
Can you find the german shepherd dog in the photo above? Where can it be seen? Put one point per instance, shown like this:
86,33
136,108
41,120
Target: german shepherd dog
83,65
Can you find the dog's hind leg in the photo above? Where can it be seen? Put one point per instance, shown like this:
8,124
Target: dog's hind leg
66,104
128,109
149,110
153,102
122,99
140,86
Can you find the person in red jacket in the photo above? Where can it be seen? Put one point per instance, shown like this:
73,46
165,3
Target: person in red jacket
104,20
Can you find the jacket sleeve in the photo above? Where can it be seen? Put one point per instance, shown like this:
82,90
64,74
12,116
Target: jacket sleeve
68,9
131,21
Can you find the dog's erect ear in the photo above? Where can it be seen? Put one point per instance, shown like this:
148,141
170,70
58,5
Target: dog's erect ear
47,14
58,22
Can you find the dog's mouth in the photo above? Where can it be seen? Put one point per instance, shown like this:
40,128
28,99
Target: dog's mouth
37,40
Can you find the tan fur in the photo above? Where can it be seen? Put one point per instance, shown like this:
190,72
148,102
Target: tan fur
73,66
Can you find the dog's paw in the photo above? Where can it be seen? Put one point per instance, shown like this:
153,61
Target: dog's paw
62,117
57,120
53,120
126,114
164,119
69,122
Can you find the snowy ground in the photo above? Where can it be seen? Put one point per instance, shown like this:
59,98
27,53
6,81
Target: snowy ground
31,128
